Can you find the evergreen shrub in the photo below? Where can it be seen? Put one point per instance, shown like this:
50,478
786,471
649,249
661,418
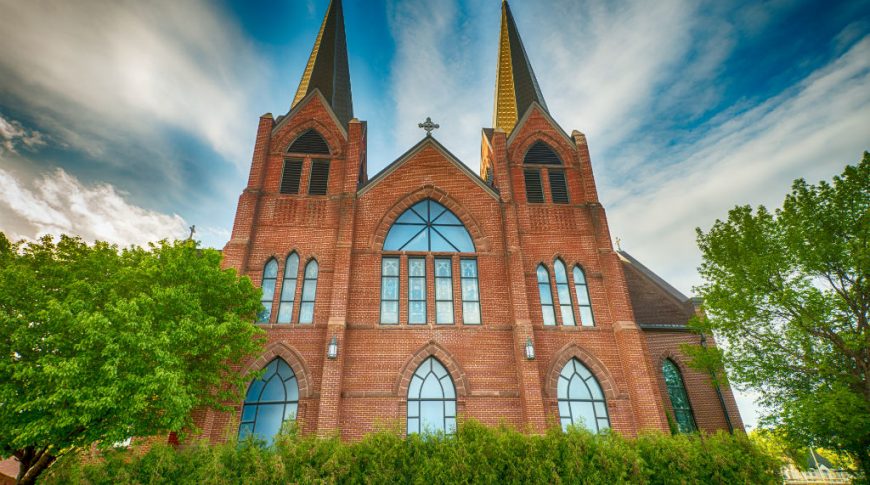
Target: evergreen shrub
475,454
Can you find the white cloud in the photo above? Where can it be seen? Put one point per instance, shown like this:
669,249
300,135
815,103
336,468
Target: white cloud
58,203
13,135
98,73
811,131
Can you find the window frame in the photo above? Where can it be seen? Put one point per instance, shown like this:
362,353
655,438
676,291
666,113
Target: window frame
398,281
476,301
288,401
580,304
419,400
574,362
564,307
295,279
452,292
425,280
313,301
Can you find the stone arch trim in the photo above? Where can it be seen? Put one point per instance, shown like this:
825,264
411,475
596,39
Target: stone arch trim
295,129
432,349
595,366
521,145
291,357
481,242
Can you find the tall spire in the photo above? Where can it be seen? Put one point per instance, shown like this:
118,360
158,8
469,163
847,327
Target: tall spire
327,68
515,84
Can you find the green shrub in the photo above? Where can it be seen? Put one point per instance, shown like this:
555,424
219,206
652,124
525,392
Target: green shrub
475,454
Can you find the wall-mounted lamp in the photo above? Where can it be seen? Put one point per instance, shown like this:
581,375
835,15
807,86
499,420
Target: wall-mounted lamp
530,349
332,348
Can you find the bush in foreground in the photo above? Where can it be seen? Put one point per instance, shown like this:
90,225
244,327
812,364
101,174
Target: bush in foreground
476,454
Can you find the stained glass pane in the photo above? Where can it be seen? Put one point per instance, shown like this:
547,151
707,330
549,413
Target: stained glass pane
390,267
311,270
417,312
549,316
442,267
468,268
417,267
417,289
444,312
306,313
471,312
443,289
390,312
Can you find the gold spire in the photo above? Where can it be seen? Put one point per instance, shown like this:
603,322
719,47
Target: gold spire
309,68
516,87
505,114
327,68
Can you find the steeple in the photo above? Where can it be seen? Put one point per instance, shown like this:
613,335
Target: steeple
515,84
327,68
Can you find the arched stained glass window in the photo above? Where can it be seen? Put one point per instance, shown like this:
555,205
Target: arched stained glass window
583,301
431,399
679,398
270,277
270,401
581,401
309,291
564,292
288,289
546,295
428,226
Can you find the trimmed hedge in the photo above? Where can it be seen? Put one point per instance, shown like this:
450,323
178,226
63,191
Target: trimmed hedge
476,454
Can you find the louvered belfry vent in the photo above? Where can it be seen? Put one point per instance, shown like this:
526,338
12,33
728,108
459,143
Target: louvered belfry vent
534,190
319,177
558,187
291,176
541,154
310,142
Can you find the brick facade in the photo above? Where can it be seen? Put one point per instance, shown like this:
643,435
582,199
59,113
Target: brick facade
366,385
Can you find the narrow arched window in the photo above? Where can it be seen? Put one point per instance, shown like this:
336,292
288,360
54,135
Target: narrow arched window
564,292
270,277
270,401
679,398
546,295
309,291
581,402
431,399
288,289
583,302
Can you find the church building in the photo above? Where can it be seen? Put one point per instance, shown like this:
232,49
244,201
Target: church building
428,293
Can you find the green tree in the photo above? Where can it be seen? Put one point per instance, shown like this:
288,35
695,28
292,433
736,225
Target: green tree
789,293
100,344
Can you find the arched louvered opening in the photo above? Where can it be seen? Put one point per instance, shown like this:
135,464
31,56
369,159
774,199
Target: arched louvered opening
310,142
270,401
541,154
679,398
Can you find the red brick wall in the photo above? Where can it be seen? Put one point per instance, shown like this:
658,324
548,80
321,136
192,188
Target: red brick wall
366,386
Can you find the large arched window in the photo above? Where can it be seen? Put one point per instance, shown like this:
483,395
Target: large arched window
309,292
679,398
581,401
583,301
270,277
546,294
270,401
428,226
288,289
424,228
564,292
431,399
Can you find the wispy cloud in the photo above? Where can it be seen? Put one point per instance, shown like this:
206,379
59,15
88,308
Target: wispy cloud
99,73
13,135
810,131
58,203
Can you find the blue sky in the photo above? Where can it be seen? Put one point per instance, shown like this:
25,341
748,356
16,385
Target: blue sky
128,121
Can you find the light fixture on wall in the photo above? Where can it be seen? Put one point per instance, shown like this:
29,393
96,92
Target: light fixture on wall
530,349
332,348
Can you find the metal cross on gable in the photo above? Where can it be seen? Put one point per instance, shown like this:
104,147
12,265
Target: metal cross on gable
429,126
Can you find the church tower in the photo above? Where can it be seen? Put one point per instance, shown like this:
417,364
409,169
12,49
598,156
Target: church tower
427,293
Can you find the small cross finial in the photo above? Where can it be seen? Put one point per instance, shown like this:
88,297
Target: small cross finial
429,126
192,232
618,244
